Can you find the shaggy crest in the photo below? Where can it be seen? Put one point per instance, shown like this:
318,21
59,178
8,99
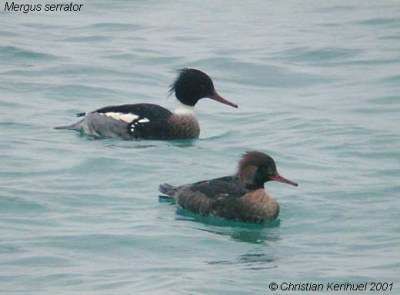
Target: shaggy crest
191,85
255,168
257,159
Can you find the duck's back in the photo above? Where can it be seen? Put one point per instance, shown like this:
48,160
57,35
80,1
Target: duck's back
152,112
204,196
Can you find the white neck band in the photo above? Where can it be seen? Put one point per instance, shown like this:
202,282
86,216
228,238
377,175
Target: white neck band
183,109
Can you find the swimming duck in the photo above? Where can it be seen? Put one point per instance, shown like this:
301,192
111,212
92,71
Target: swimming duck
240,197
151,121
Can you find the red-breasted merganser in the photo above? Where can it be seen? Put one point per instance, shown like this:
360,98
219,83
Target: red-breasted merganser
150,121
240,197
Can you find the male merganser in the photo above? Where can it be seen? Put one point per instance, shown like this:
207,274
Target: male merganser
239,197
150,121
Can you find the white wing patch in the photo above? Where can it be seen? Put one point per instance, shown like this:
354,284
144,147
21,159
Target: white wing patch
128,118
136,123
131,119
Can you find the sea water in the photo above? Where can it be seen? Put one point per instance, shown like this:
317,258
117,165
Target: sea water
317,83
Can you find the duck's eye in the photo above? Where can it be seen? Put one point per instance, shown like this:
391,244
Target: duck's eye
270,170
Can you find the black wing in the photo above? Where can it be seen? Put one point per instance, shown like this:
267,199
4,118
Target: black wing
211,196
151,121
228,186
150,111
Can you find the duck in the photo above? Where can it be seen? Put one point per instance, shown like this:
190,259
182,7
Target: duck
240,197
152,121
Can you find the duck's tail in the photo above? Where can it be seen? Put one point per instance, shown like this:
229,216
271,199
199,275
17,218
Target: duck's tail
75,126
168,192
81,114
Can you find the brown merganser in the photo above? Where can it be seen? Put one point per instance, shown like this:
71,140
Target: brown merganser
150,121
240,197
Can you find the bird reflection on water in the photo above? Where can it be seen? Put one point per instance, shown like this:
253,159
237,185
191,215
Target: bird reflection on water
238,231
260,234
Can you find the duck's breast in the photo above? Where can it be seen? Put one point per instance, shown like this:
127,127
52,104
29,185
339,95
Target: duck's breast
259,206
184,126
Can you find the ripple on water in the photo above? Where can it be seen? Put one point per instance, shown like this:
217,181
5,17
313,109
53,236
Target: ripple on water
38,261
379,21
386,100
251,261
320,56
7,33
15,205
393,80
82,90
111,26
262,75
88,39
18,54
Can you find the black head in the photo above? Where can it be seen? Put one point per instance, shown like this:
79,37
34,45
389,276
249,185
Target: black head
256,168
193,85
